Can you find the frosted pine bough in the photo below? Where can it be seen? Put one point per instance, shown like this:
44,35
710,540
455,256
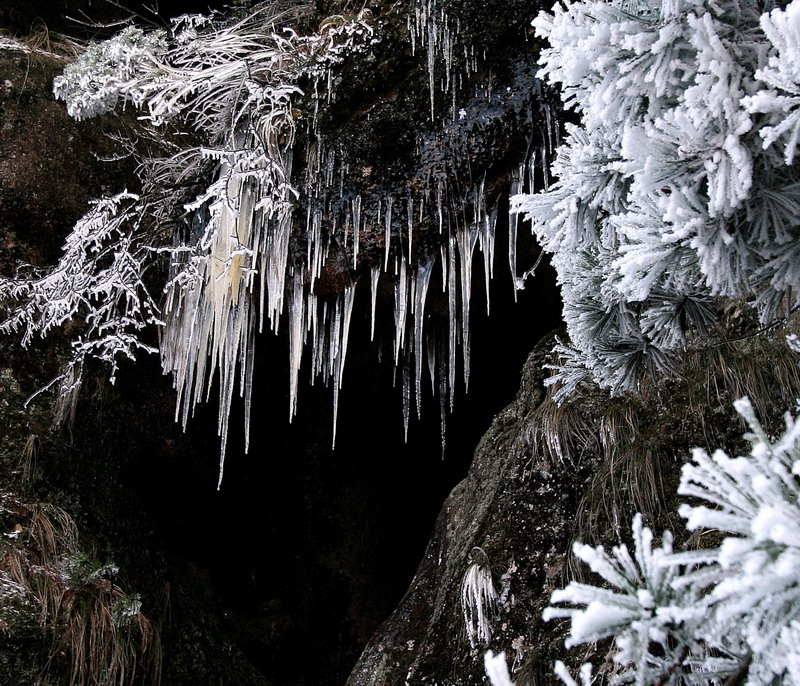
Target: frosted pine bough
704,616
249,249
678,186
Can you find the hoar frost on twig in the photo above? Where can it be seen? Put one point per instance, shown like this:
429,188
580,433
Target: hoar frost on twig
231,87
99,278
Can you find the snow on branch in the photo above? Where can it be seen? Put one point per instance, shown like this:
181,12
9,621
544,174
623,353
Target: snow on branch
99,281
229,88
705,615
670,192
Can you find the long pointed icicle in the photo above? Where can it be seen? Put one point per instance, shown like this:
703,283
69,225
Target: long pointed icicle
406,372
466,238
296,340
488,225
388,234
356,228
375,274
452,317
513,223
344,312
400,309
423,278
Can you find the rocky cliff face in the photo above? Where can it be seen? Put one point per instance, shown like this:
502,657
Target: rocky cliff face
303,546
546,475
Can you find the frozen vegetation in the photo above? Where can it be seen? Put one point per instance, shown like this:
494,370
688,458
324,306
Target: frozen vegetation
227,101
678,189
701,616
676,194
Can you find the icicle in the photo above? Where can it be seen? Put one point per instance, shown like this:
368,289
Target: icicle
388,234
517,177
487,248
374,276
432,28
430,347
443,252
432,35
423,277
318,252
347,312
530,175
406,398
439,202
544,156
320,347
400,308
247,392
356,225
296,340
311,317
447,52
466,237
452,317
444,393
552,136
344,310
410,226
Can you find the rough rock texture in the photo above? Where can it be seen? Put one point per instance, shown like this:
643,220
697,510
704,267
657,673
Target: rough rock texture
301,547
545,475
282,576
499,507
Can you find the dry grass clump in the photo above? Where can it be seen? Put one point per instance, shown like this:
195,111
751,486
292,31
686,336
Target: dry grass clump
41,42
94,633
633,444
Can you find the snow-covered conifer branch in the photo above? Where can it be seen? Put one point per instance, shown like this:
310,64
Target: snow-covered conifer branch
698,616
497,669
755,571
666,198
638,610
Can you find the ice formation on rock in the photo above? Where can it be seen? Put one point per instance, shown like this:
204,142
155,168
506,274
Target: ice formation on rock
281,235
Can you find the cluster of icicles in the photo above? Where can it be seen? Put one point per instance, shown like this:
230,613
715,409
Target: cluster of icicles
247,272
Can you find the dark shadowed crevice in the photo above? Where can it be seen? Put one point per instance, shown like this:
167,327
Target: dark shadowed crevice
306,545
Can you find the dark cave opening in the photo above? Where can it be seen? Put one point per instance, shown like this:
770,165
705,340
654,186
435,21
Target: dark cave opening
309,545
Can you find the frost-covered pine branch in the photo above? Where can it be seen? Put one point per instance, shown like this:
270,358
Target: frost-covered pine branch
669,193
639,611
699,616
753,578
497,669
781,101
